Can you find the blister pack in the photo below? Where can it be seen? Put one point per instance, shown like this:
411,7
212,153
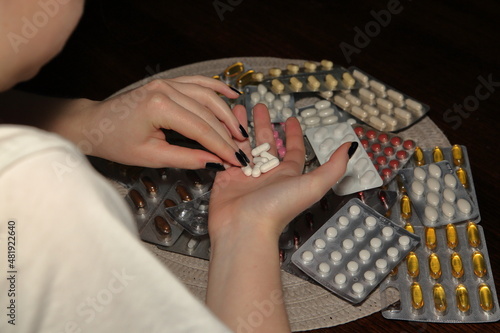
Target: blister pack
322,113
437,195
447,279
360,174
280,107
354,251
379,105
388,152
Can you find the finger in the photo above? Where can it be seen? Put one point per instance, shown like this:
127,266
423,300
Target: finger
262,126
295,151
327,175
208,82
240,113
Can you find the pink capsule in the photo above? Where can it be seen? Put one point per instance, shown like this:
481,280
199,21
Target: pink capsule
388,151
371,134
359,131
376,147
276,134
281,152
279,143
409,144
401,155
396,141
383,138
382,160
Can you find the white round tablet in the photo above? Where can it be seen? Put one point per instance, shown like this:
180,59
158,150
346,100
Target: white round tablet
340,279
433,184
392,253
352,266
331,232
336,256
359,233
450,180
364,255
348,244
324,268
358,288
343,221
419,173
354,210
370,222
448,210
431,213
435,170
381,264
319,244
387,232
375,243
464,206
432,199
417,187
370,276
307,256
404,241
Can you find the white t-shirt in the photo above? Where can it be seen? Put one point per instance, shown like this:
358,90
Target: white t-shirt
75,263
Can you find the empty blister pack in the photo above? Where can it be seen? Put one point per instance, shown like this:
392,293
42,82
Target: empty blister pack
459,160
379,105
280,107
360,174
322,113
388,152
447,279
354,251
437,195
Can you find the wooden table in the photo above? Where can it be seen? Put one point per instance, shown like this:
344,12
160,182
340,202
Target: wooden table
441,53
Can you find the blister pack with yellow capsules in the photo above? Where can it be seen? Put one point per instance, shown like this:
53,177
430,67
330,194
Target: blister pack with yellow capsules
447,279
311,77
354,251
379,105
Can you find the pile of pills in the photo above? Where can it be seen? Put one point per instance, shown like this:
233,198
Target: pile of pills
448,278
388,152
437,195
263,161
354,251
360,174
379,105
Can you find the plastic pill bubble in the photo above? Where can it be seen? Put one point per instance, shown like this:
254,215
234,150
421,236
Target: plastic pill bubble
331,232
359,233
330,120
278,104
412,265
255,97
393,253
450,181
359,112
354,210
457,267
353,99
340,279
419,173
311,121
375,243
370,276
307,256
336,256
448,210
273,113
485,297
308,112
473,235
462,296
417,297
326,112
286,113
431,213
432,199
404,241
285,98
371,110
387,232
323,104
324,268
343,221
367,177
370,222
352,266
319,244
358,288
360,76
449,195
381,264
348,244
363,92
261,89
327,145
439,296
464,206
269,97
433,184
435,170
364,255
434,266
479,264
417,188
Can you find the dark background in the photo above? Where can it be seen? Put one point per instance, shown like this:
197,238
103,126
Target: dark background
433,51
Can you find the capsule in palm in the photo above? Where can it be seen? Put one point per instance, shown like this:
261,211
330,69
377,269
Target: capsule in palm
418,155
457,267
451,236
485,297
405,207
458,157
473,234
412,265
437,154
478,264
439,296
462,296
430,238
462,176
417,297
434,266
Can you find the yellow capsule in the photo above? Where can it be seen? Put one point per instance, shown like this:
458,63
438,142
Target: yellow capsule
292,68
417,297
439,296
409,227
473,234
462,298
258,76
296,84
451,236
457,267
458,156
331,82
462,176
313,82
245,78
485,297
234,69
310,66
479,264
430,238
412,265
326,64
418,155
437,154
405,207
434,266
274,72
277,86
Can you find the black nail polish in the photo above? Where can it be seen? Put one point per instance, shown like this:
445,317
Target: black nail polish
241,159
242,130
352,149
244,156
214,166
236,90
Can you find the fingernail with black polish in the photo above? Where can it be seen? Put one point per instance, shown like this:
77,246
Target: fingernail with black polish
241,159
214,166
352,149
244,156
236,91
242,130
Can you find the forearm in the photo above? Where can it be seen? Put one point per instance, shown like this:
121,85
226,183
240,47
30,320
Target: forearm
59,115
244,285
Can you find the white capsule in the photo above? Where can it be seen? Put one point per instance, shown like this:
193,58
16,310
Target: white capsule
329,120
370,222
414,105
319,244
450,180
256,170
432,199
261,89
340,279
260,149
359,112
381,264
360,77
387,232
431,213
364,255
323,104
433,184
352,266
419,173
255,97
377,85
359,233
353,99
435,170
326,112
259,159
367,178
312,121
365,93
384,103
335,256
354,210
347,244
449,195
326,146
389,120
394,95
278,104
331,232
307,256
308,112
341,101
370,276
377,123
324,268
371,110
375,243
417,188
286,113
403,114
267,155
393,253
247,170
268,166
